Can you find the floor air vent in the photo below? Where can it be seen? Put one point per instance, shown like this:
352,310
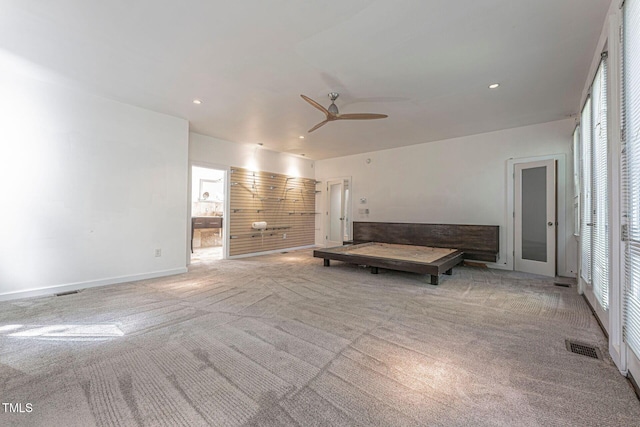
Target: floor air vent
63,294
583,349
565,282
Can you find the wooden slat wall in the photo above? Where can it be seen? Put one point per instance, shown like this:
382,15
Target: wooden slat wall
479,242
287,204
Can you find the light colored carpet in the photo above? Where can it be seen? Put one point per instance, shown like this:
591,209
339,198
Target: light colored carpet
280,340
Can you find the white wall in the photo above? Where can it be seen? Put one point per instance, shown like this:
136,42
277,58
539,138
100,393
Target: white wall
90,187
461,180
207,150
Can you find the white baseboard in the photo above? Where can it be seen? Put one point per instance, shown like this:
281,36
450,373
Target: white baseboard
275,251
494,265
88,284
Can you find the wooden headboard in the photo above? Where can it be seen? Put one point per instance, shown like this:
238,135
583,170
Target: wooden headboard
478,242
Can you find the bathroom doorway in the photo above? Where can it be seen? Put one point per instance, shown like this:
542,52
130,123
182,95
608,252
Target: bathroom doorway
207,213
338,222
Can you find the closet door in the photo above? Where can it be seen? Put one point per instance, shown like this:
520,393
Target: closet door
535,217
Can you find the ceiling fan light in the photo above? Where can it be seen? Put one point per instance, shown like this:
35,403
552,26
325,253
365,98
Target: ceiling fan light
333,108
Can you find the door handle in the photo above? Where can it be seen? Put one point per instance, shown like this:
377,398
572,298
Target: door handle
341,219
550,224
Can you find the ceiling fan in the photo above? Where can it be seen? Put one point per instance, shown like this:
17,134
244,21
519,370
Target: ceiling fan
333,114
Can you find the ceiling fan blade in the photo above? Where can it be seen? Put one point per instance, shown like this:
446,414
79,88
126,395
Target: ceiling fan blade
315,104
361,116
318,125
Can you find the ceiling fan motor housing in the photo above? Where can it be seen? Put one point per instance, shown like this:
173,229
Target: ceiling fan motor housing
333,108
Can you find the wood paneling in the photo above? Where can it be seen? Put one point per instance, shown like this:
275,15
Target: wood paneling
479,242
287,204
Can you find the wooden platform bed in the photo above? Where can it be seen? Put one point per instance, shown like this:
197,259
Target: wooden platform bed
432,249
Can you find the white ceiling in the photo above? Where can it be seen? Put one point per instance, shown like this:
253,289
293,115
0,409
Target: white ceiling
426,64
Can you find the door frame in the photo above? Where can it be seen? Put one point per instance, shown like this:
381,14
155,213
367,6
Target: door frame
566,249
225,209
551,217
327,203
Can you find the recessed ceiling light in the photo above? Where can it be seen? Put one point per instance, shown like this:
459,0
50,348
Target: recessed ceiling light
301,137
197,101
494,85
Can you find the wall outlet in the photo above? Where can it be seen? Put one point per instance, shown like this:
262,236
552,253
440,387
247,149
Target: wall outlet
284,235
158,253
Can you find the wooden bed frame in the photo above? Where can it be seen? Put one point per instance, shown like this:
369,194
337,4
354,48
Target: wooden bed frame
474,242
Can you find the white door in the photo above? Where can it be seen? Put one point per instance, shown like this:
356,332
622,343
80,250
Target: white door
535,217
335,213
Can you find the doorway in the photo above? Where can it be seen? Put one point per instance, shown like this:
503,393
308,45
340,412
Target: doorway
535,219
338,212
207,213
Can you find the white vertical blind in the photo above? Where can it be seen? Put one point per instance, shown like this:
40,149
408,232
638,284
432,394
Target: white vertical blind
631,171
585,203
576,181
600,193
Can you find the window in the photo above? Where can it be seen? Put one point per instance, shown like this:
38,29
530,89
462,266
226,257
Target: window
599,192
631,171
593,188
576,181
585,202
